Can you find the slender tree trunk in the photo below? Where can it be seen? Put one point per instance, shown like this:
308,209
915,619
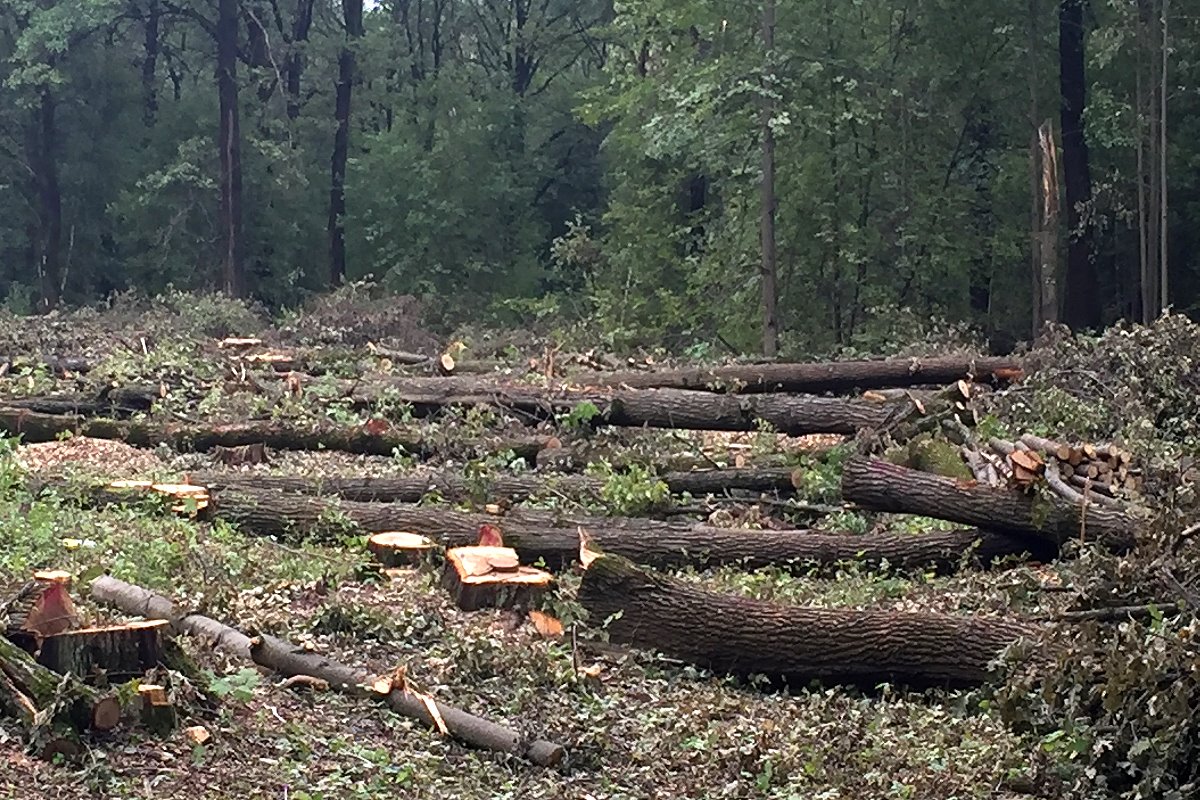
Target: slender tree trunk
769,267
49,193
1049,202
1082,304
150,66
295,60
1042,244
352,12
1163,284
1149,297
230,145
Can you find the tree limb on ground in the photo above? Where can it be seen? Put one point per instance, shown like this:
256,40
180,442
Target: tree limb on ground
289,660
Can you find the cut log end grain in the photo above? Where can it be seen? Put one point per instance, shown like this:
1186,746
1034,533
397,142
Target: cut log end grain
119,652
400,549
491,577
106,713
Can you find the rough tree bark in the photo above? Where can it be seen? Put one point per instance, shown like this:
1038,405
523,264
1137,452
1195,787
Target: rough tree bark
536,534
1081,307
739,635
635,408
34,427
229,143
412,488
882,486
834,376
352,14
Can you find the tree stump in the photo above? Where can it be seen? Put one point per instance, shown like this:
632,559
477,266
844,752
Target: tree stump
158,715
118,652
491,577
400,549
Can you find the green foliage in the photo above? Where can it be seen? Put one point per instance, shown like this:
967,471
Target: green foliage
238,685
631,491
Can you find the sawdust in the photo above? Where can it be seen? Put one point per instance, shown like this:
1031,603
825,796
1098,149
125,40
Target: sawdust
104,456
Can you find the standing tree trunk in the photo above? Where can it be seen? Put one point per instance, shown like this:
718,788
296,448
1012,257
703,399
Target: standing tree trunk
1043,195
1082,303
352,11
1163,284
769,270
1149,293
295,59
150,66
230,146
44,146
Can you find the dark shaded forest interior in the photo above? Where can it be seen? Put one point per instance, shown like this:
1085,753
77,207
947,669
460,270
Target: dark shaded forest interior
825,170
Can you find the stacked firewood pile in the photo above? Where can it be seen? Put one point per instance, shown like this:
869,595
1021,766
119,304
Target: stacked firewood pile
1103,474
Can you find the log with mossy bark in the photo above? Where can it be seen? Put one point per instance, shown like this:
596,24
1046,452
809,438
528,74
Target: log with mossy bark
452,486
734,634
879,485
368,439
289,660
817,378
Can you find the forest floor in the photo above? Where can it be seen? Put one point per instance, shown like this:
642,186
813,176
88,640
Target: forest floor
634,724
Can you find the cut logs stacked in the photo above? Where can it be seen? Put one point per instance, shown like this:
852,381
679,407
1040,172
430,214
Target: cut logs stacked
1103,474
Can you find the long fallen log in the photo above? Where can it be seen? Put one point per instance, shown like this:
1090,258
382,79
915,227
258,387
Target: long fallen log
636,408
367,439
289,660
879,485
739,635
412,488
836,376
536,534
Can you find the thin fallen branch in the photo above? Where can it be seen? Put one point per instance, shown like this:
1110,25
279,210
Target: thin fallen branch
290,660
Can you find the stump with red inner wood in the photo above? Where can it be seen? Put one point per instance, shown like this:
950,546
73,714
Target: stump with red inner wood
491,577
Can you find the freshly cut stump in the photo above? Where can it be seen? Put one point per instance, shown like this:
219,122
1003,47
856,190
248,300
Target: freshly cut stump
158,715
400,549
491,577
119,652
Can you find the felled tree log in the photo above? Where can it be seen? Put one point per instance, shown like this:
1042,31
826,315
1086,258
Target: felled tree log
728,633
288,660
139,602
879,485
120,401
368,439
411,488
837,376
119,652
538,534
636,408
